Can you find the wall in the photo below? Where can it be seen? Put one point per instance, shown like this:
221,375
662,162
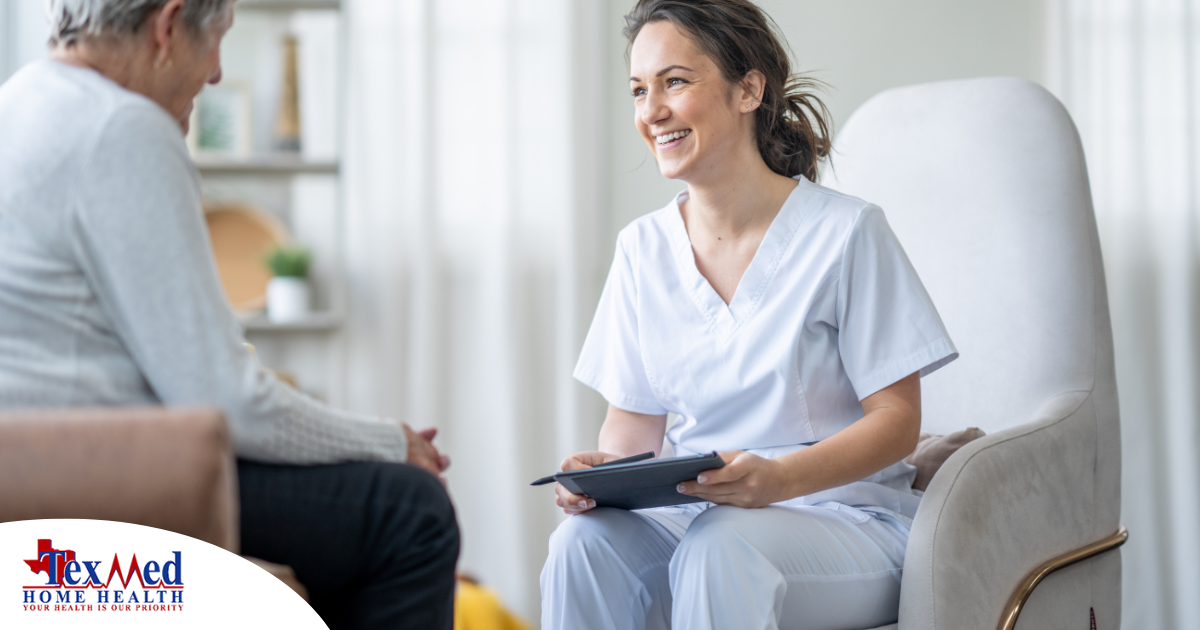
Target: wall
858,47
23,34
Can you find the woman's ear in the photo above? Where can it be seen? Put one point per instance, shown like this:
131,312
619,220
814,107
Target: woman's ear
750,91
164,28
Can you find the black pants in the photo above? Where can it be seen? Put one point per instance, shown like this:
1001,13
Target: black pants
375,544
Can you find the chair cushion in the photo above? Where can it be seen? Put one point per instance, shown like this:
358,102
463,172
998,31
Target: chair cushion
933,450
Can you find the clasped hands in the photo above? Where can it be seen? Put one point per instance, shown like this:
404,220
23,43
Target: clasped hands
422,453
746,480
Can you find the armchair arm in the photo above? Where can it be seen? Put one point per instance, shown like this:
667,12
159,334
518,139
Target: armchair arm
998,509
167,468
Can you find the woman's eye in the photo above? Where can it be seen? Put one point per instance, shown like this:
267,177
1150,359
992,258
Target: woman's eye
675,81
638,92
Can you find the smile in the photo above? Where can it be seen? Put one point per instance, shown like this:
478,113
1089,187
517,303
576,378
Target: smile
667,138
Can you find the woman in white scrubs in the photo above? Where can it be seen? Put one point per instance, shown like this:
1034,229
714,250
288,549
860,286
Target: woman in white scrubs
784,324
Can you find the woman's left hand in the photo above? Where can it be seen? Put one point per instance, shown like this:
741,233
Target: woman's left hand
746,480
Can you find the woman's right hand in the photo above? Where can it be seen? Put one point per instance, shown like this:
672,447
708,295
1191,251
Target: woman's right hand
576,503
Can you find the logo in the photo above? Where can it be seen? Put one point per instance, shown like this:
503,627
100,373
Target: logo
74,584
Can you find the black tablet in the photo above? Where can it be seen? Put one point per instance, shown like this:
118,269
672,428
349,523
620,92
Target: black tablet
639,485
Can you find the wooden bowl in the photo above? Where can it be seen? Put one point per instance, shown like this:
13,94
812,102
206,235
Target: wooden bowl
241,235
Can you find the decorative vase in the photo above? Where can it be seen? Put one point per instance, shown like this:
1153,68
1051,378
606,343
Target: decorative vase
287,299
287,123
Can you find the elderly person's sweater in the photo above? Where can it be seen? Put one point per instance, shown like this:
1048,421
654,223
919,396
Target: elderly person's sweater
108,290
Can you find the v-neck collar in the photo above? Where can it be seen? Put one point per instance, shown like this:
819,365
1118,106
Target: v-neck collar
724,318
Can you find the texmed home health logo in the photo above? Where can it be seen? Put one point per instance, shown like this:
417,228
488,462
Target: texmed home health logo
75,584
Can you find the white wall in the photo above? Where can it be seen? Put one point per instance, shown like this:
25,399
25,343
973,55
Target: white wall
5,38
23,34
858,47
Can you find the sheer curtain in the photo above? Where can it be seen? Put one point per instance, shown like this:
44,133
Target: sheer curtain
472,147
1129,71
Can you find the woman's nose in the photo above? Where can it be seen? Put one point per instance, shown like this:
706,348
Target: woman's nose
654,109
215,77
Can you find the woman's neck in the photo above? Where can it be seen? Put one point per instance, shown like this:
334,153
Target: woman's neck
743,200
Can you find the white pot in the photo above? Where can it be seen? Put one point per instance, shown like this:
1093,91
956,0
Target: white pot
287,299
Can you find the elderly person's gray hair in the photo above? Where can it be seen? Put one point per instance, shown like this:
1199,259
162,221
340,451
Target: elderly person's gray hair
72,20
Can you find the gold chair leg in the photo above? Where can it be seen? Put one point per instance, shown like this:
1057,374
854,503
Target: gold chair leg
1008,620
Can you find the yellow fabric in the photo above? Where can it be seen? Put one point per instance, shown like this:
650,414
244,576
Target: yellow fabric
478,608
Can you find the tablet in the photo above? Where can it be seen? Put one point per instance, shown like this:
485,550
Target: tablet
639,485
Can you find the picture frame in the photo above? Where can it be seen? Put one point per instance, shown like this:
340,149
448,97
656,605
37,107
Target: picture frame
221,121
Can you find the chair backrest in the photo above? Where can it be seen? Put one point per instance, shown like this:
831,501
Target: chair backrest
984,182
167,468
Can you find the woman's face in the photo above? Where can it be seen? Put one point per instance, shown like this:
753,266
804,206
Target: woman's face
195,62
686,112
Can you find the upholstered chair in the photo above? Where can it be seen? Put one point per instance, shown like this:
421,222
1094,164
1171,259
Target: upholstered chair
984,182
167,468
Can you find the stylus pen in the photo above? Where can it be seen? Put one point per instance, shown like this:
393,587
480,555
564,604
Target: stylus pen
628,460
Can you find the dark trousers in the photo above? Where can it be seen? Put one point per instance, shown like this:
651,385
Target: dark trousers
375,544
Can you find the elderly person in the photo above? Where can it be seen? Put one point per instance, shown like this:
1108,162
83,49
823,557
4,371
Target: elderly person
109,296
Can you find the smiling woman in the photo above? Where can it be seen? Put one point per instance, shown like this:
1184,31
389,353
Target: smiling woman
785,326
791,127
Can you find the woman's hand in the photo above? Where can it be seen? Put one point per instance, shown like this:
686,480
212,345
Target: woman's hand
746,480
576,503
422,452
885,434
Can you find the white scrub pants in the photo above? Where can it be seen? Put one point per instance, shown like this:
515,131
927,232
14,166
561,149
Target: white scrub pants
723,568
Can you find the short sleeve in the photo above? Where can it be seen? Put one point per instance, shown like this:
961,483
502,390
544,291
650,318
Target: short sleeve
888,327
611,359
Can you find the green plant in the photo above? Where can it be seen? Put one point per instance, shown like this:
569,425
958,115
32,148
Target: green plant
289,261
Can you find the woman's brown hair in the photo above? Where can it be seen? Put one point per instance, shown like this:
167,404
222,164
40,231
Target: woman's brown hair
792,124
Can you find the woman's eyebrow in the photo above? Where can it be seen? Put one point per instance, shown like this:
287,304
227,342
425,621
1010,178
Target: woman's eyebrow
665,70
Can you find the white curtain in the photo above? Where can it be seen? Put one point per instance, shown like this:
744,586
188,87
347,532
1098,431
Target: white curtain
473,144
1129,71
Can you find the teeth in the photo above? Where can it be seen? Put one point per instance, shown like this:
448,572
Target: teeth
667,137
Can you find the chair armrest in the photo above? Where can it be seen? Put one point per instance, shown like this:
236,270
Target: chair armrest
167,468
284,574
998,509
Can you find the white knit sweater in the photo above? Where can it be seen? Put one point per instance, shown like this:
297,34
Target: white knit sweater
108,290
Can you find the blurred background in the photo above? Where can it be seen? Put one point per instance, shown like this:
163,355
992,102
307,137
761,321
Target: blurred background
458,170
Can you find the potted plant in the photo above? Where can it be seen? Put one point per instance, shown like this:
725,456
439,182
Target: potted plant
288,293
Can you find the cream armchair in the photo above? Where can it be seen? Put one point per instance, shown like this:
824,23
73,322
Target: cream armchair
985,184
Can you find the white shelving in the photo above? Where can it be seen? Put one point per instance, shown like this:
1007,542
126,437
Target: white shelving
303,190
290,5
266,164
314,322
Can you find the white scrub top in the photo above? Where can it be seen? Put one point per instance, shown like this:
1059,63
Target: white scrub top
829,311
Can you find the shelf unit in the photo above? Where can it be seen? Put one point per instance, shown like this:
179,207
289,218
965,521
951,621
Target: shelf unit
313,322
290,5
264,164
304,192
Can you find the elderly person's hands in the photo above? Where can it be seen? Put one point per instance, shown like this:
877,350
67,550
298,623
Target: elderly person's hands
422,452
